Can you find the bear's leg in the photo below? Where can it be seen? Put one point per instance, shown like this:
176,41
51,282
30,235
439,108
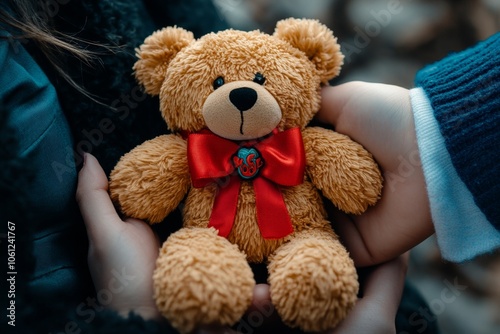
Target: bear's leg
201,279
313,281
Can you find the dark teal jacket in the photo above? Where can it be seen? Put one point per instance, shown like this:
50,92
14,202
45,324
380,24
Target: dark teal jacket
44,127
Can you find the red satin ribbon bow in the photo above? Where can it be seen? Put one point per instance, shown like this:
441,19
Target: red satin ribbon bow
275,160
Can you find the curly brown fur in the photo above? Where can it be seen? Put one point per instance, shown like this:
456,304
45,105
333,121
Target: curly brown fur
342,169
202,279
313,272
150,181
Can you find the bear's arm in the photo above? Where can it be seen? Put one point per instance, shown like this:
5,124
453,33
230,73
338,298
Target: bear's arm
342,169
150,181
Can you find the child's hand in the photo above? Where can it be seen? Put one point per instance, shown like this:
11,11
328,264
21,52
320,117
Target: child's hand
380,118
122,254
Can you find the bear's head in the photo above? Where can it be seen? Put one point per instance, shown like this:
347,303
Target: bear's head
240,85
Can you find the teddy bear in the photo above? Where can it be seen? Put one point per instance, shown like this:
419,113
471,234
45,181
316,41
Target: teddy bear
250,172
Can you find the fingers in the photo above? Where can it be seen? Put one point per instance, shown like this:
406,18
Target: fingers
262,308
261,298
97,210
386,281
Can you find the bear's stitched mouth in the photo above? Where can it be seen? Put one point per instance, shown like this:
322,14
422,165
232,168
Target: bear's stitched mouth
242,121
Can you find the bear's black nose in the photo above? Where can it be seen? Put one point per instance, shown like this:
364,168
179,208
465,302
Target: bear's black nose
243,98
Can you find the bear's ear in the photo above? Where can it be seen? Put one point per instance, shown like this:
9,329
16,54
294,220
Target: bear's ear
155,55
316,41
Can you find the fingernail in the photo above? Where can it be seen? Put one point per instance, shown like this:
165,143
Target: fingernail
84,157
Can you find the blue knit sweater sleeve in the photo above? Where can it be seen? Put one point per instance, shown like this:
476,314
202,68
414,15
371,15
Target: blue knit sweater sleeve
464,92
462,230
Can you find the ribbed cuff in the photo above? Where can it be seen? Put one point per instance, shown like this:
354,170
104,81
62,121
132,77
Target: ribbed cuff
462,230
464,91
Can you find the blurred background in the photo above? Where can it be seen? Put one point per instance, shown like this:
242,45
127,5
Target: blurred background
388,41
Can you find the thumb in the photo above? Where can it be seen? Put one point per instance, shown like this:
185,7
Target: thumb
97,210
377,116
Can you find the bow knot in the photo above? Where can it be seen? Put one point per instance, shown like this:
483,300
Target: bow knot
275,160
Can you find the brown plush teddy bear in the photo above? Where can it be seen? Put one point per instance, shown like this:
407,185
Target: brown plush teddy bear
238,104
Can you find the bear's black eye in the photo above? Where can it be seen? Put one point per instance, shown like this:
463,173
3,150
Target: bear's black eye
259,78
218,82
